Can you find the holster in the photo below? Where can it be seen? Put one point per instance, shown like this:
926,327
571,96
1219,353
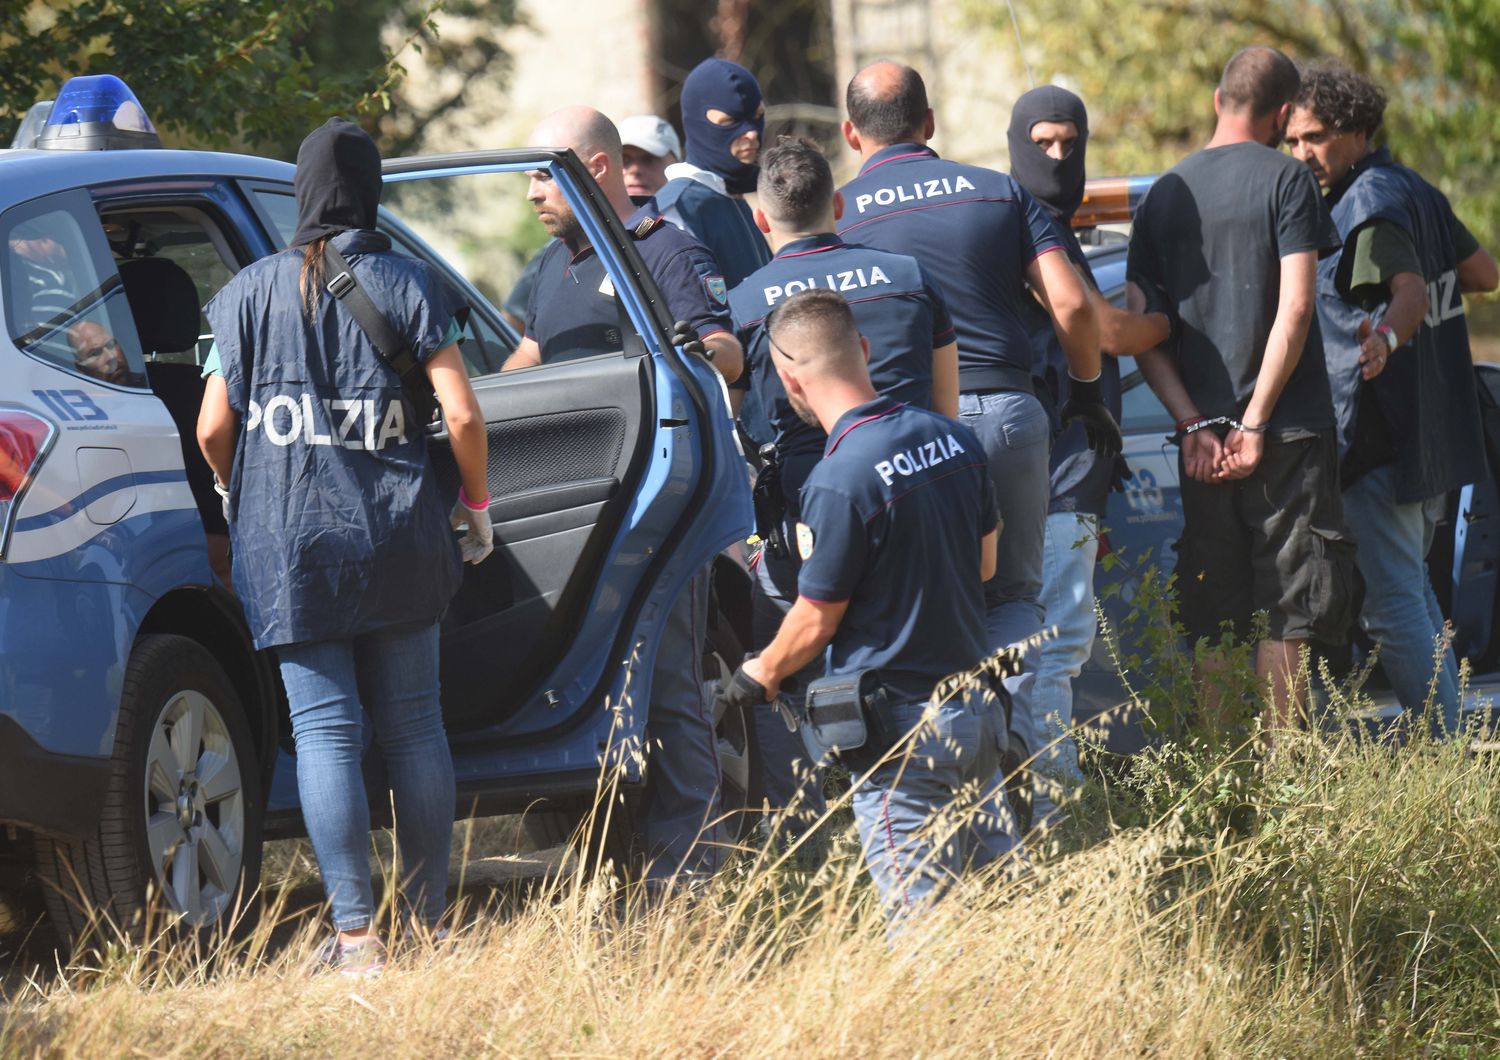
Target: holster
770,502
848,716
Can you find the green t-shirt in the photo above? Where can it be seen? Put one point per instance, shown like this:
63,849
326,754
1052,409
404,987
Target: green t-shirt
212,365
1379,250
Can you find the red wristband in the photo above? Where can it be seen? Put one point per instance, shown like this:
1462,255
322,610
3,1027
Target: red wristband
482,506
1183,425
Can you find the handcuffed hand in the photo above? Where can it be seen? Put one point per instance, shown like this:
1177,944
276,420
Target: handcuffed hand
1242,453
1086,404
1202,454
479,539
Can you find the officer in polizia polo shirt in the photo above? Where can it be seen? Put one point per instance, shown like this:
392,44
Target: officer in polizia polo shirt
913,358
984,239
896,536
573,313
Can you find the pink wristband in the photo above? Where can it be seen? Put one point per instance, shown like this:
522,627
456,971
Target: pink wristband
482,506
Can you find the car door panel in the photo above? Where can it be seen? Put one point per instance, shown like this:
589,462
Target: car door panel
608,490
554,472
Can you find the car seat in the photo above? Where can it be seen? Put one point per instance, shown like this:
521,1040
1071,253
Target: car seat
164,302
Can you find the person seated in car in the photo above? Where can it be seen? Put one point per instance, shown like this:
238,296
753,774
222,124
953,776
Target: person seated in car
97,353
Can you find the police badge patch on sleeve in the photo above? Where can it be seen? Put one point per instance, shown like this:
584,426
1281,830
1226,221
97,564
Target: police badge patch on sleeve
805,541
717,288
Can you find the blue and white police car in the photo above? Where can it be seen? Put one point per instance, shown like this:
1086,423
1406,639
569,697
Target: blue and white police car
144,746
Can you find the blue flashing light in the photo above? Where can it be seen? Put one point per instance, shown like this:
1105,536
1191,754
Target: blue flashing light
97,112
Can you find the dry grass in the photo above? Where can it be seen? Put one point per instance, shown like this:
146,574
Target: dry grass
1342,900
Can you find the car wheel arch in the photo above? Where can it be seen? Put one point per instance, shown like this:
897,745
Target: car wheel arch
212,618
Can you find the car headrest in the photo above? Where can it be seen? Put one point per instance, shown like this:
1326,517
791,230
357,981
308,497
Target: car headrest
164,301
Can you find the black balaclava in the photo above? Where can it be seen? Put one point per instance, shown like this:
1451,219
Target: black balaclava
337,181
722,85
1058,186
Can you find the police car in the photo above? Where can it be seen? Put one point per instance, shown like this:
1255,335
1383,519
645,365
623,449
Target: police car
1143,522
144,746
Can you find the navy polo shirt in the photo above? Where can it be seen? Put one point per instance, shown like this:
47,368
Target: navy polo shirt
891,521
573,311
896,306
976,231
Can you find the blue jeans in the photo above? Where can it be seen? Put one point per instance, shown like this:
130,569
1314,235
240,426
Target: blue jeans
680,805
925,816
1401,613
1068,595
329,685
1017,438
787,779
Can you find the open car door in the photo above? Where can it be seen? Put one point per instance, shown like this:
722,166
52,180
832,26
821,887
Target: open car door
612,478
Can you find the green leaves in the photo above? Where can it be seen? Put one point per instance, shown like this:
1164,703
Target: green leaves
1147,69
238,73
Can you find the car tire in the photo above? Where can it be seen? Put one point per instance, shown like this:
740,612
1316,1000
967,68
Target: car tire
734,730
179,834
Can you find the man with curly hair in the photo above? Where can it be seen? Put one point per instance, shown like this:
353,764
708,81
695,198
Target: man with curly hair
1397,347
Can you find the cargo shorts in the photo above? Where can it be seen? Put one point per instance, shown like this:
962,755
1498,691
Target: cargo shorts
1274,542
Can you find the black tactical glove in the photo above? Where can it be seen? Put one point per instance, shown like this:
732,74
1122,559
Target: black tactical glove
1086,404
683,335
744,691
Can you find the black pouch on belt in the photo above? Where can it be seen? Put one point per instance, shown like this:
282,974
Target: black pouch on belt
770,502
847,715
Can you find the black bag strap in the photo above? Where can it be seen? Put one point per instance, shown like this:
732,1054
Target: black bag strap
389,346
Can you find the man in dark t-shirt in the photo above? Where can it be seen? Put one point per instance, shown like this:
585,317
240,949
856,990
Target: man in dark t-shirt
1231,236
1399,366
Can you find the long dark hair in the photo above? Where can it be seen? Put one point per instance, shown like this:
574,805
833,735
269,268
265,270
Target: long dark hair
311,280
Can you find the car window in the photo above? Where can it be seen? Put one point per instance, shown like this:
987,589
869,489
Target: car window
188,239
64,303
483,342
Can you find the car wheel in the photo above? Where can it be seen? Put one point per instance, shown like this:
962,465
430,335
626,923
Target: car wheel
179,833
734,732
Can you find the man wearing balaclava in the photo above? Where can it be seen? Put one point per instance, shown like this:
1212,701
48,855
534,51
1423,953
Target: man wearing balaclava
723,121
1049,132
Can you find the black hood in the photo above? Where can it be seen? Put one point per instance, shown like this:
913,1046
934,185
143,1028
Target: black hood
1057,185
337,181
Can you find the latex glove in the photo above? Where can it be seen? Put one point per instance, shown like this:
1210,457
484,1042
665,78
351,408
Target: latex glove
479,540
223,492
1086,404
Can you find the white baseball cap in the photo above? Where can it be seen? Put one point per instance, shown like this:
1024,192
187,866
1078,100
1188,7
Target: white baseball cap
652,134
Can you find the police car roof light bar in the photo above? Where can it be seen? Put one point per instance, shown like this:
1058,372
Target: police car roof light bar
97,112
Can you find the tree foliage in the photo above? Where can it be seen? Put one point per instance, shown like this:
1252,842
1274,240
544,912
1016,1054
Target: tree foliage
1146,68
251,73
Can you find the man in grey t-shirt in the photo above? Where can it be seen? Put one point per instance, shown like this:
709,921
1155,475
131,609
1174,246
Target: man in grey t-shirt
1231,237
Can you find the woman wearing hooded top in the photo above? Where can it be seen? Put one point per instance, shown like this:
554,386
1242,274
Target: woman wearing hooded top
344,557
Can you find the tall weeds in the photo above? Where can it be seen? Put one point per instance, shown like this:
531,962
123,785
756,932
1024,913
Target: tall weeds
1339,897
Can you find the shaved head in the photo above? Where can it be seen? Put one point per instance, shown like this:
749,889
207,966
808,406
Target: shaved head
887,103
586,131
1258,81
814,334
